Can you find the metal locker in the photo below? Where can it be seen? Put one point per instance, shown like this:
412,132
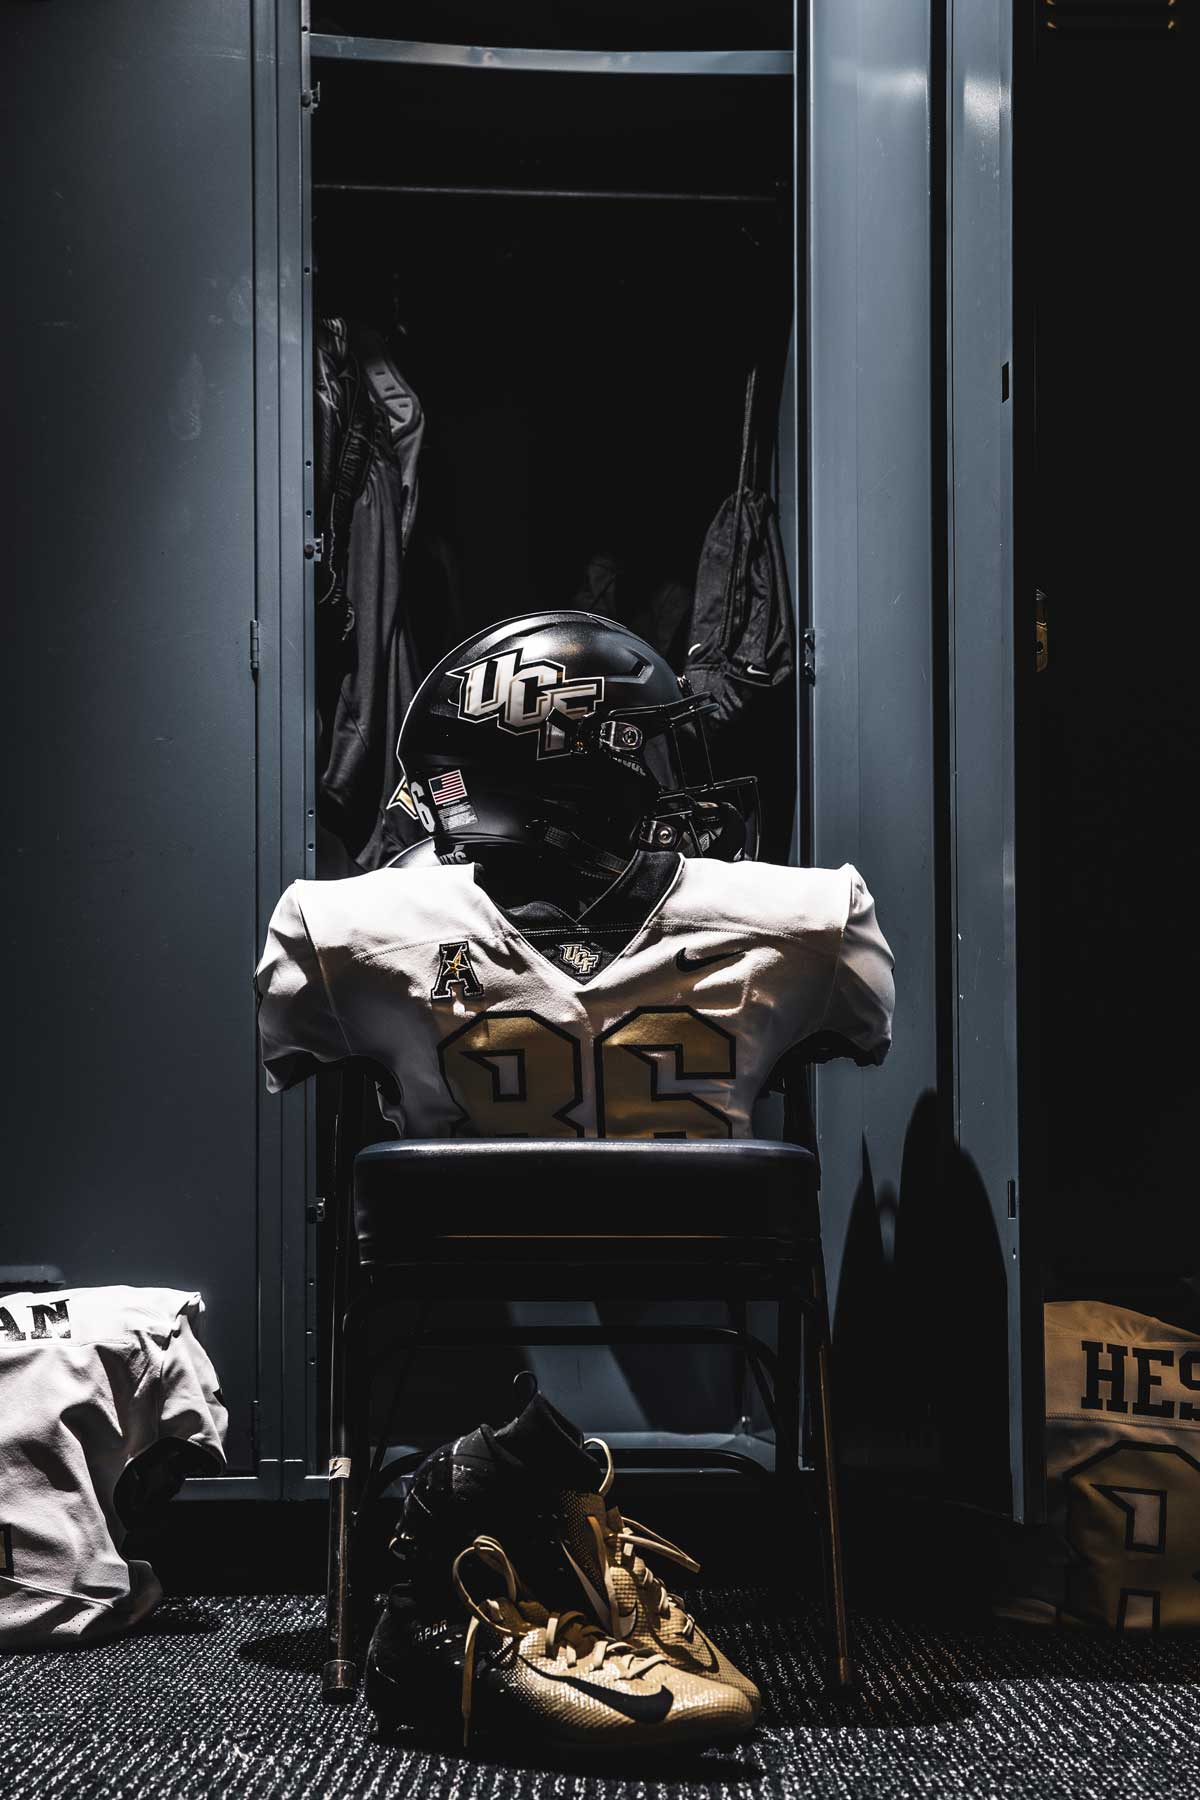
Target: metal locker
130,810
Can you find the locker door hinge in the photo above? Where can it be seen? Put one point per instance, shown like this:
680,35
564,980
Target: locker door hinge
314,549
808,656
254,646
310,98
254,1434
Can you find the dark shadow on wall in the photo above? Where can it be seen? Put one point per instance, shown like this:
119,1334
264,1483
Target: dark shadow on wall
863,1332
921,1339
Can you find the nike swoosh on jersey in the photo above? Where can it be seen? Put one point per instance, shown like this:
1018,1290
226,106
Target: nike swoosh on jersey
685,962
647,1709
599,1604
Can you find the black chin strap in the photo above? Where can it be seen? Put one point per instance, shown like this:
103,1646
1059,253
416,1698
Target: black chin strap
586,859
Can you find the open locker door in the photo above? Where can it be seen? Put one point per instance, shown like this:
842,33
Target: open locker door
911,738
132,1078
991,658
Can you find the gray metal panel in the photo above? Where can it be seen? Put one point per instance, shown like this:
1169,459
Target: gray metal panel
870,557
293,716
553,62
981,619
788,450
275,260
129,813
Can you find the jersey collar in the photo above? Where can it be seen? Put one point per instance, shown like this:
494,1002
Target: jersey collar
632,897
607,925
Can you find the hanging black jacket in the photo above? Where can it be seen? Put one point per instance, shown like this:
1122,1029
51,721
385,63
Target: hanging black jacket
742,649
368,430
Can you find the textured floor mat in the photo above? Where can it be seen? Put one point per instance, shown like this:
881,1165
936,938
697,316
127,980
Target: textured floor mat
221,1697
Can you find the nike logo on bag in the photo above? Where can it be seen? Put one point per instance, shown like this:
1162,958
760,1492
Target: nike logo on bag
685,962
648,1709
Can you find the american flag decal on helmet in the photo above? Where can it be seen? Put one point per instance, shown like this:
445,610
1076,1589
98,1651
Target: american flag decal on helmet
446,789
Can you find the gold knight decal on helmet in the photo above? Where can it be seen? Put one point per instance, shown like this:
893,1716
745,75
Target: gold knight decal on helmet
456,970
402,796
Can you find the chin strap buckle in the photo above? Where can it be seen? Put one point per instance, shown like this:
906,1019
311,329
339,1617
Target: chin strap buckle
659,834
618,735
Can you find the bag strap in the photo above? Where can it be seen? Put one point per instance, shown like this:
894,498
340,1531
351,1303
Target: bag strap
747,470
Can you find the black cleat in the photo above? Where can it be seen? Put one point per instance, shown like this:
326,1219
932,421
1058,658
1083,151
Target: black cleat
504,1483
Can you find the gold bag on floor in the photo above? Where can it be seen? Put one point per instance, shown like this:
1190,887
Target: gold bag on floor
1122,1544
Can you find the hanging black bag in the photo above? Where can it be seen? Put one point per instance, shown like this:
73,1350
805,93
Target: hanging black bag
742,639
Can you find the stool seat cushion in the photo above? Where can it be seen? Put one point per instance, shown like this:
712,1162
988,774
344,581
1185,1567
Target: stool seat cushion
427,1199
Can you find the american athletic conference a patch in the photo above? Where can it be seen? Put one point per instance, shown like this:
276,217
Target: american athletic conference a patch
456,970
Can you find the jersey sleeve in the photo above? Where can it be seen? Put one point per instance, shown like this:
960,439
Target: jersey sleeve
191,1405
177,1423
297,1027
858,1015
863,997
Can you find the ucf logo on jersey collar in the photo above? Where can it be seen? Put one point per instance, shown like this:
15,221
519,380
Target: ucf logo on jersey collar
456,970
580,957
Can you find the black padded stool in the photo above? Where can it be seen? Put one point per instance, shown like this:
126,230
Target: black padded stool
483,1218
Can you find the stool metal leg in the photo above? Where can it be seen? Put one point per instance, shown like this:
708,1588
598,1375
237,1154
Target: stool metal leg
826,1460
362,1595
788,1395
340,1673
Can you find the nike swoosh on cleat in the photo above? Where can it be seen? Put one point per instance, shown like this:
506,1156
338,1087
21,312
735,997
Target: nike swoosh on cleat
708,1663
598,1602
685,962
647,1709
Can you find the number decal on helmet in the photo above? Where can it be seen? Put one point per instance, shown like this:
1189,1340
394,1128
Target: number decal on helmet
410,797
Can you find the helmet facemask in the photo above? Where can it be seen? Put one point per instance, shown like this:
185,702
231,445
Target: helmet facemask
679,802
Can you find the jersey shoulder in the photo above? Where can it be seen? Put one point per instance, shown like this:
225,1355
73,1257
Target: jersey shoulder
768,898
100,1315
387,907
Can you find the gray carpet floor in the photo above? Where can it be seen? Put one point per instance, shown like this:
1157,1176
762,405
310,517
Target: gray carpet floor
220,1696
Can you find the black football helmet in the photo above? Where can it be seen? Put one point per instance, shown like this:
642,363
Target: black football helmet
564,732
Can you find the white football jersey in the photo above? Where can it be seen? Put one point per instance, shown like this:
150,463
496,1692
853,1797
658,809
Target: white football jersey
661,1012
90,1378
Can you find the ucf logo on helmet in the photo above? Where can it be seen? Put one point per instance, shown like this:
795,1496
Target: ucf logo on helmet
524,697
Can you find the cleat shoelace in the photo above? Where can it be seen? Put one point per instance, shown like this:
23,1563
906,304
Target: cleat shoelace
570,1640
618,1541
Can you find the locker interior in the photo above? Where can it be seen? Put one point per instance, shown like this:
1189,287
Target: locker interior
578,310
